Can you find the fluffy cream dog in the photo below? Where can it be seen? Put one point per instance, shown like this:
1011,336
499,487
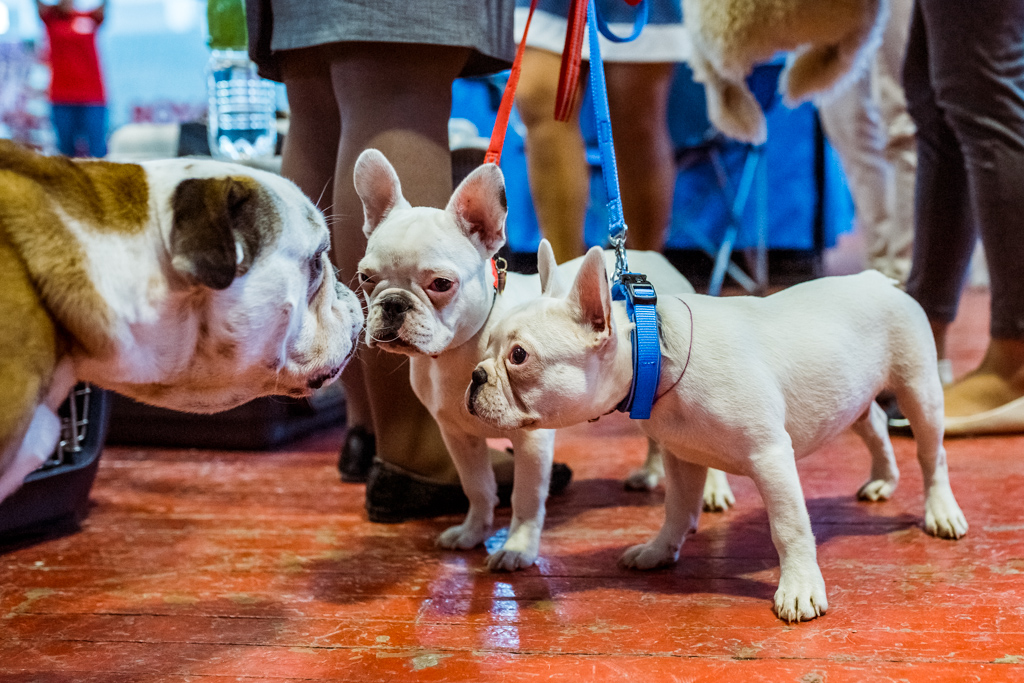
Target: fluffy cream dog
831,41
748,385
430,292
189,284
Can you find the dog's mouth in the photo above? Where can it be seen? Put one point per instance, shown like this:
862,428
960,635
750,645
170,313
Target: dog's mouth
398,345
323,378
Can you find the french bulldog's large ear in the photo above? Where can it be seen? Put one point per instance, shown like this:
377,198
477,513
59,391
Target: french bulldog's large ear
378,187
550,282
479,208
214,229
591,294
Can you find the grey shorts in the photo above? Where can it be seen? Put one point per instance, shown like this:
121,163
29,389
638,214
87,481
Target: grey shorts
483,25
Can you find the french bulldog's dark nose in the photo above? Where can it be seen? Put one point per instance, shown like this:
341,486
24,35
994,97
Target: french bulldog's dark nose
395,306
479,379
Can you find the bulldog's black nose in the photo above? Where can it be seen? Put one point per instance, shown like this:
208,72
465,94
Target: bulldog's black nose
479,377
394,306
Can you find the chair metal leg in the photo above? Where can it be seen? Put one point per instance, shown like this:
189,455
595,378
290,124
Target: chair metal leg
737,201
722,261
734,271
761,210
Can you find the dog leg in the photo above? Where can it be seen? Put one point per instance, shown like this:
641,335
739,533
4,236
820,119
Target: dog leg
535,451
651,472
717,493
684,488
801,592
36,447
925,412
732,108
469,453
872,427
824,70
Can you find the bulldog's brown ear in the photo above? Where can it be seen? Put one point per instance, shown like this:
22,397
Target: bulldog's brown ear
479,208
213,233
378,187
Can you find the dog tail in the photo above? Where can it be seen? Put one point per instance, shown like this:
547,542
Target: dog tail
823,71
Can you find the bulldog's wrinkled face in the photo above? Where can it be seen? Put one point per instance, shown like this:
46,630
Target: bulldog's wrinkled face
427,274
259,310
547,361
292,305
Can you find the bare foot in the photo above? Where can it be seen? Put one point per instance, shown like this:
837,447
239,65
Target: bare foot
997,381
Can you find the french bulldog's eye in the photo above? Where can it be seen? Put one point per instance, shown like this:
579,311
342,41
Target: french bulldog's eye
316,266
440,284
518,355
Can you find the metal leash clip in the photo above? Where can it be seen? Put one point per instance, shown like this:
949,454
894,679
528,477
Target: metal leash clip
618,243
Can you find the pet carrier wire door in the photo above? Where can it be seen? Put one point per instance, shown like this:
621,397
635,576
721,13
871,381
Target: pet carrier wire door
55,496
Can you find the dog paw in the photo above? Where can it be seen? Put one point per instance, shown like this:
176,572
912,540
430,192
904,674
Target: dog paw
876,490
506,560
718,495
462,537
942,515
642,479
648,556
801,599
718,501
520,549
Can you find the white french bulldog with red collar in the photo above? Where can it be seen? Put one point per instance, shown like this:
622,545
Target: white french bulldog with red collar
430,290
748,385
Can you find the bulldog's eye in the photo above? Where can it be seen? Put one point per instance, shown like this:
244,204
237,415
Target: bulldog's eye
363,278
441,284
316,266
518,355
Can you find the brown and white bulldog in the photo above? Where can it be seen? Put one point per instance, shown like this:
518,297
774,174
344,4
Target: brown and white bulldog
189,284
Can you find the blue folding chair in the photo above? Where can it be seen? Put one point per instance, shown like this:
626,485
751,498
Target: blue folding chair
697,141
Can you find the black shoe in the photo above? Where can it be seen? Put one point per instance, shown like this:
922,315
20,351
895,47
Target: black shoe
396,495
357,455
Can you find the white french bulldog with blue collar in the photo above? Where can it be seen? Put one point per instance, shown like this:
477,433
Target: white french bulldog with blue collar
748,385
431,294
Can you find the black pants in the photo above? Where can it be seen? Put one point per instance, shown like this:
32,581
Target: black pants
964,79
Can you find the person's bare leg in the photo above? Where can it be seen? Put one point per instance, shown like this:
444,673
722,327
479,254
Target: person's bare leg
555,156
309,158
395,98
638,101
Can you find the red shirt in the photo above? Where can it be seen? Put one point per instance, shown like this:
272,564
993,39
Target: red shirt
73,59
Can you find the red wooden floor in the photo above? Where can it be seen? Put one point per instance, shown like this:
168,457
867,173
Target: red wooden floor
219,566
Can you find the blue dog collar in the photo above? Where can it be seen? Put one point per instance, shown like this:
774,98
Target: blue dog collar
641,306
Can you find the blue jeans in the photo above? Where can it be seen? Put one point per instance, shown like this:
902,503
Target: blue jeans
85,122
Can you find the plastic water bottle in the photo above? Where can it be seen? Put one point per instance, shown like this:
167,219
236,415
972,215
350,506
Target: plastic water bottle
242,106
242,112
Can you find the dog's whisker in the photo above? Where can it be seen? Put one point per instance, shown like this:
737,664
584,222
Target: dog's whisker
326,185
402,364
382,341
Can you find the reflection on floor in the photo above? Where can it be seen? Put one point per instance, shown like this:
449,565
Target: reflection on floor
219,566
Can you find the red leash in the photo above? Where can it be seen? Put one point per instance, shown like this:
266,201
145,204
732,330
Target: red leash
505,109
569,73
569,91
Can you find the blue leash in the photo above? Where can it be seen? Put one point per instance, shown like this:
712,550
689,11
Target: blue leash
633,288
